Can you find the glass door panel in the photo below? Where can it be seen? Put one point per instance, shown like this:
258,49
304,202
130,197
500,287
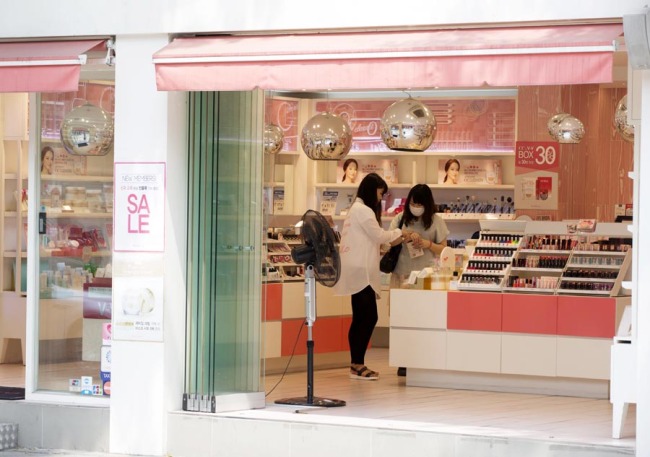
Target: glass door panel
224,244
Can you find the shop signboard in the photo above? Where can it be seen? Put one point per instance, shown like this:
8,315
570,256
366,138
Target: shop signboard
537,166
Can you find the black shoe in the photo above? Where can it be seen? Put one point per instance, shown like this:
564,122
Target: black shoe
401,371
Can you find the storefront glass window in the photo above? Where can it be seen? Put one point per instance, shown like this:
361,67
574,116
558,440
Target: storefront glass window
75,201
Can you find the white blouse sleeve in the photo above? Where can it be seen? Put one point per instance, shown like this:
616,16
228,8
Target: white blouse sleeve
377,234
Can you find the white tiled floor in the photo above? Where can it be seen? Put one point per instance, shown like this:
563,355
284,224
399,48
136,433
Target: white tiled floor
567,419
391,404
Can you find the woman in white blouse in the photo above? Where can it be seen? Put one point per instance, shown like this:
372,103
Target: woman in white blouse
361,240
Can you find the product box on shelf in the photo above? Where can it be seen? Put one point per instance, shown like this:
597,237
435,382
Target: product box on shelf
97,299
106,383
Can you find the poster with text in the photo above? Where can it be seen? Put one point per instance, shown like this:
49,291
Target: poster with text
138,308
468,172
63,163
537,166
139,207
353,170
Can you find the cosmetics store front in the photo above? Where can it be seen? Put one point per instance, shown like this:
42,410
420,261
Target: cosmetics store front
499,321
58,89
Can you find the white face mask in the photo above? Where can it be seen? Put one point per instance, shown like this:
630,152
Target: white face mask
417,212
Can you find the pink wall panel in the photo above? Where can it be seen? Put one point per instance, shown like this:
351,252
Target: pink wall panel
474,311
530,314
586,316
272,302
593,173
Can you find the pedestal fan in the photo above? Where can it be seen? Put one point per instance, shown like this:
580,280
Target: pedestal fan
319,253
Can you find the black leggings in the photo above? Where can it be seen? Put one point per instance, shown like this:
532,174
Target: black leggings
364,319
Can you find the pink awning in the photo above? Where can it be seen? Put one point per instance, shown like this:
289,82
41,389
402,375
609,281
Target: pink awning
573,54
42,66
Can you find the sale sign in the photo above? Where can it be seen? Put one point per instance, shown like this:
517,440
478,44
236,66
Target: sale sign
537,166
139,207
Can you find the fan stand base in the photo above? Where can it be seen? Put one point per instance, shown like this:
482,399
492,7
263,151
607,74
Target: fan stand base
317,401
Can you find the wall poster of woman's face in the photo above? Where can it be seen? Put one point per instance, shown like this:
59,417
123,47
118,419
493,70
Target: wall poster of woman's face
461,171
352,170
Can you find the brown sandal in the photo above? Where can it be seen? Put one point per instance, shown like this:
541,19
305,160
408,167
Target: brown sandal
363,373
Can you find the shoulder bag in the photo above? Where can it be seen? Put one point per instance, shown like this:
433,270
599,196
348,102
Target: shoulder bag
388,261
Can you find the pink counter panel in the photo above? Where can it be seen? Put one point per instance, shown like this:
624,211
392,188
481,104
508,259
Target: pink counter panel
535,314
586,316
474,311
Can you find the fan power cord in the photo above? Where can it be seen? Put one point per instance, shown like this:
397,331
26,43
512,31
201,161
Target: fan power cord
293,351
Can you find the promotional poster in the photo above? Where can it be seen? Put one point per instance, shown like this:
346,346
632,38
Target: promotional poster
466,172
537,166
352,170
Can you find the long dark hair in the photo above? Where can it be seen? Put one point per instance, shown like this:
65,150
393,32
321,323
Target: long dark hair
420,194
448,164
368,192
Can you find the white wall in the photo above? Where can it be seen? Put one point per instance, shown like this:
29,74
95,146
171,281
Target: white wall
34,18
147,377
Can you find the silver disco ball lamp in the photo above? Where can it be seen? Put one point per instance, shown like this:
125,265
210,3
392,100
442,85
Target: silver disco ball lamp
273,139
553,125
326,136
566,128
620,121
408,125
87,131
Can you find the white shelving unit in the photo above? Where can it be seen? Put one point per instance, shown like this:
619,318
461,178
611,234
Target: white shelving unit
14,142
278,264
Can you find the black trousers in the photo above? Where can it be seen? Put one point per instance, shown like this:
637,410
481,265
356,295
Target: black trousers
364,319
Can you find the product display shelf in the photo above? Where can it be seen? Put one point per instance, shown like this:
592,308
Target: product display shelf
552,260
538,264
77,178
13,214
595,273
278,265
77,214
490,262
452,217
403,170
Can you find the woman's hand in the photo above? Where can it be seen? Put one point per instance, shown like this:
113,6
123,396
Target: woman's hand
416,239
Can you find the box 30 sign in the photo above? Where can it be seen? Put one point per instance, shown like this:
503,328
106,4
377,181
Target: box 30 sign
537,166
139,207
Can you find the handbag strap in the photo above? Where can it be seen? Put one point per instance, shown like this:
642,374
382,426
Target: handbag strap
401,221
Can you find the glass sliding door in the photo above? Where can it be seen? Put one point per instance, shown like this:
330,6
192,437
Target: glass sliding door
223,349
